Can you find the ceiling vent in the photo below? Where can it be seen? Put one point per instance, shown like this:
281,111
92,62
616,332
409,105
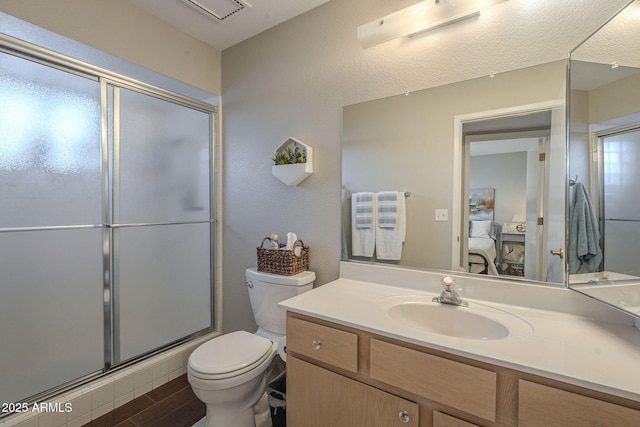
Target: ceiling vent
219,10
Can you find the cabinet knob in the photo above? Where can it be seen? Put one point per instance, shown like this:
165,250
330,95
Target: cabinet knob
404,416
316,344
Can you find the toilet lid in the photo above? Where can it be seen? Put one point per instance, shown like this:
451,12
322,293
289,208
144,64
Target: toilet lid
230,354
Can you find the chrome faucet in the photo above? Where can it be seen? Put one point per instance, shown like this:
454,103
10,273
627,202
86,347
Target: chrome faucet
449,295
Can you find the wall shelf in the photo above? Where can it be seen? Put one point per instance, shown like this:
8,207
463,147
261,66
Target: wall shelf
294,174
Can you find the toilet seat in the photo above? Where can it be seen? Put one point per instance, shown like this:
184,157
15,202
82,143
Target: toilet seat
230,355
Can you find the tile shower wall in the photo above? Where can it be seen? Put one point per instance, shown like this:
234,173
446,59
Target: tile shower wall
108,393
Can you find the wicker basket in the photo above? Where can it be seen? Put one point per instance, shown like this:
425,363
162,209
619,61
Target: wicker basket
282,261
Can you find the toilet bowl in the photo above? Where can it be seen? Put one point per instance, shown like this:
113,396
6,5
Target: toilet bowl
229,373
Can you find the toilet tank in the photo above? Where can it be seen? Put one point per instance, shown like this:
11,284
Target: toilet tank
266,290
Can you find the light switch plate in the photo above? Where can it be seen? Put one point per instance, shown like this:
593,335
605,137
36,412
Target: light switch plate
442,214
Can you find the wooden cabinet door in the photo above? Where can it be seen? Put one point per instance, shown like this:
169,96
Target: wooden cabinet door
541,405
444,420
317,397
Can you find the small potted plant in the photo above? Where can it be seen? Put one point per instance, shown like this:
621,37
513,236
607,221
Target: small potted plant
292,162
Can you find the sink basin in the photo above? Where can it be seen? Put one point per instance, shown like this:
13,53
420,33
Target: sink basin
477,322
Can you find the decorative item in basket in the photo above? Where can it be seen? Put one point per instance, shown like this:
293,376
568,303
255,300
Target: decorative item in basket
283,261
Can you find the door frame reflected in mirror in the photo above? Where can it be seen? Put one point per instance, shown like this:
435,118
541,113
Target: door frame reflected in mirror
552,273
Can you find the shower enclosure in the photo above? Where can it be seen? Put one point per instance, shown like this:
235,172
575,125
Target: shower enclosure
106,221
618,179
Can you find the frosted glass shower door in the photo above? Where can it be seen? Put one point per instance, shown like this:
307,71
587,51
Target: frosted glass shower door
50,156
162,224
163,286
51,286
621,180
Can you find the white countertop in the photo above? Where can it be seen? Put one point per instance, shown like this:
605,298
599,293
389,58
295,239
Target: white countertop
595,354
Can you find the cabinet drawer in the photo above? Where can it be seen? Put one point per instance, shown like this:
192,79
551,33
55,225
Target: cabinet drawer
322,343
542,405
460,386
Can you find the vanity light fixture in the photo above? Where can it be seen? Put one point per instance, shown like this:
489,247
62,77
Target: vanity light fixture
424,16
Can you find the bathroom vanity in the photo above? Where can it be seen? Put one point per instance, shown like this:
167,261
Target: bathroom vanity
356,356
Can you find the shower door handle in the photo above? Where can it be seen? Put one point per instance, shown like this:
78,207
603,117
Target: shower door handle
559,253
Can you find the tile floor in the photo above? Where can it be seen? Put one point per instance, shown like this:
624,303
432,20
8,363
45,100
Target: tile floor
172,405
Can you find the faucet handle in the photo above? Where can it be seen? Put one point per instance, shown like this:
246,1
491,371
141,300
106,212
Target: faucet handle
448,283
449,295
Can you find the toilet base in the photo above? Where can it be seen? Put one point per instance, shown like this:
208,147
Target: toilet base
262,413
224,418
235,406
257,416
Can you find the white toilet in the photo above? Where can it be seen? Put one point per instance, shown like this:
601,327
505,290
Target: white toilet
229,372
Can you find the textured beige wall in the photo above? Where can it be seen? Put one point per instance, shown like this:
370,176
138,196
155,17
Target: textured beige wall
121,29
615,100
294,79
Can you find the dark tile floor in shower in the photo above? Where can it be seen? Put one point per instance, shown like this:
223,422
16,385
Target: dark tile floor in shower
171,405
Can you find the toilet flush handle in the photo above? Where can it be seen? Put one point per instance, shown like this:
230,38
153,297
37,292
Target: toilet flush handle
249,283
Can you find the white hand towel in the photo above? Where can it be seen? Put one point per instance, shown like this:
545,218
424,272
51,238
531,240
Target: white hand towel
363,220
391,229
364,209
387,209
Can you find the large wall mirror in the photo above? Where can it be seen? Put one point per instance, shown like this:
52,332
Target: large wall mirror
468,176
604,146
472,176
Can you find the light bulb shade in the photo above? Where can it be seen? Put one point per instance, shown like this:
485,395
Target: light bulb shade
421,17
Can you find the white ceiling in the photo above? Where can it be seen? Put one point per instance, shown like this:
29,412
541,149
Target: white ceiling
262,15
